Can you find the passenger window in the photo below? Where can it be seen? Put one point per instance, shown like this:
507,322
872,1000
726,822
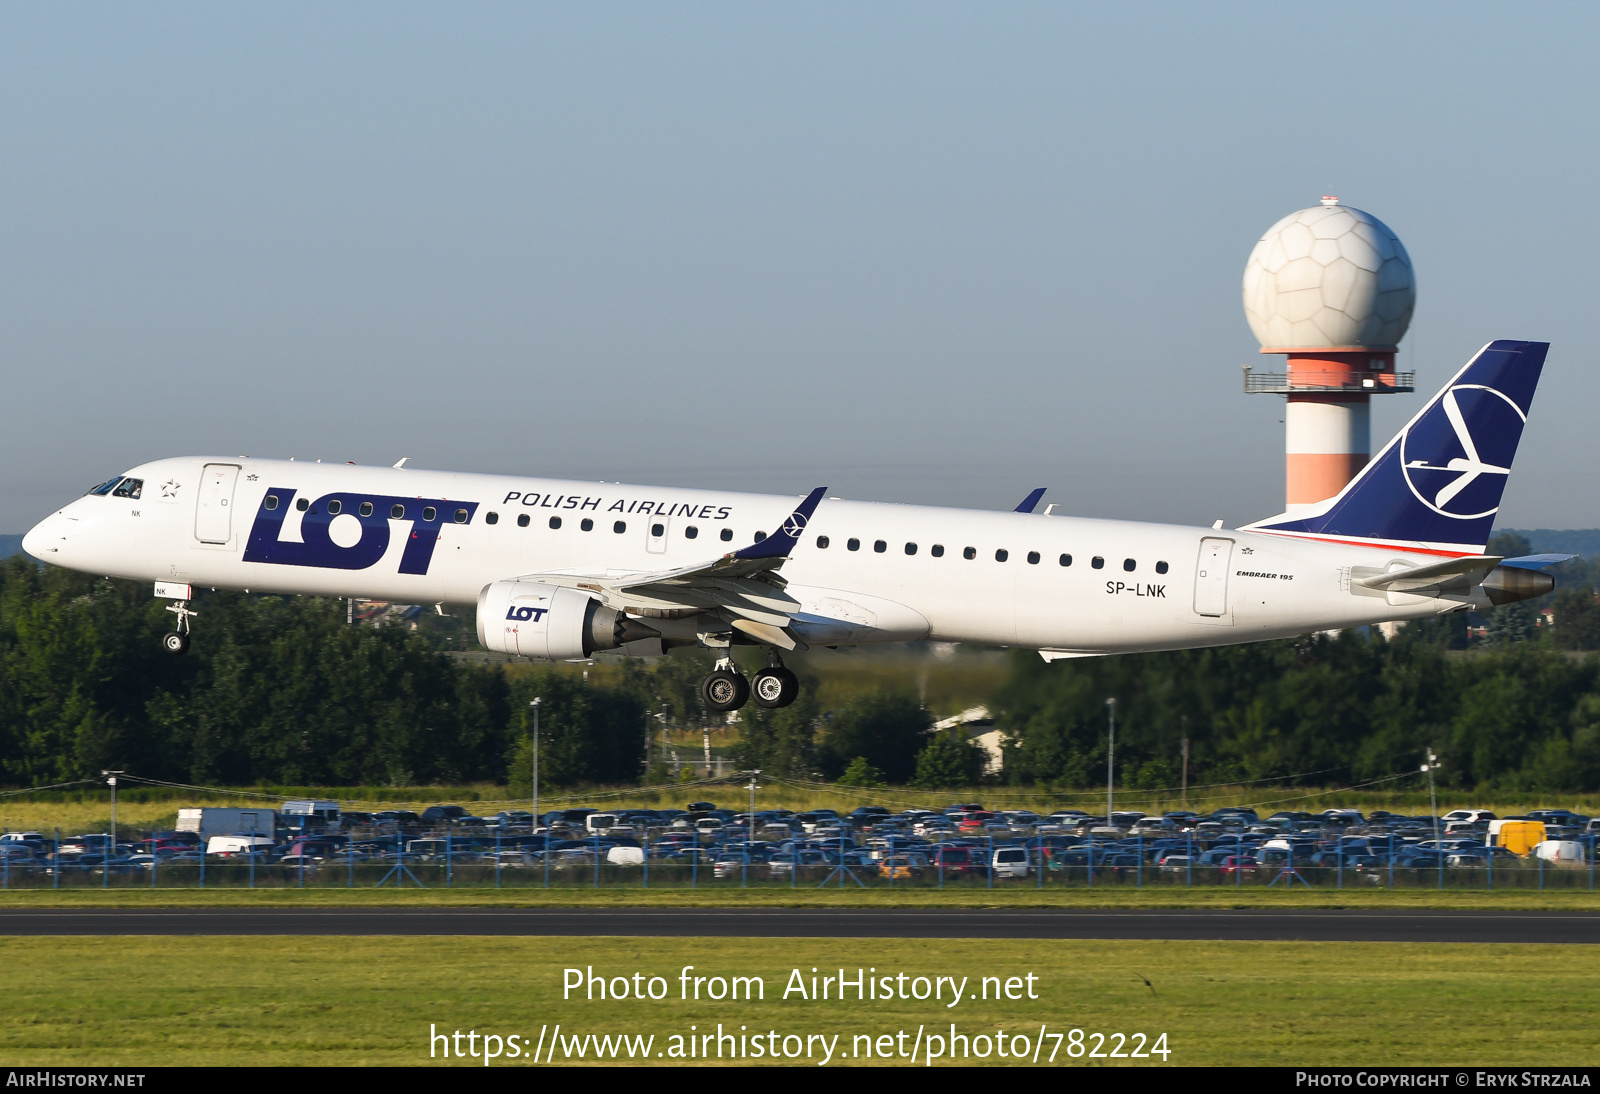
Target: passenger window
658,530
461,516
1033,558
1129,565
586,524
130,488
690,532
1066,560
271,502
555,522
619,527
937,550
969,553
1097,562
852,545
727,535
335,507
488,518
429,513
911,548
822,542
366,510
879,546
1161,567
302,505
522,519
1001,555
105,488
760,536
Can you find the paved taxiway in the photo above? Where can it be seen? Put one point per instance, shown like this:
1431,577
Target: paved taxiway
1251,925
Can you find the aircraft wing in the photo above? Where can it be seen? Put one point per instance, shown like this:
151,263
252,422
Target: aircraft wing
742,588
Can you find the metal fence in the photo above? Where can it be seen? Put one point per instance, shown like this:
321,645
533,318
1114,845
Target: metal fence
664,859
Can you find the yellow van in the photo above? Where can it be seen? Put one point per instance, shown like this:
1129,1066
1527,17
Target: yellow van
1517,836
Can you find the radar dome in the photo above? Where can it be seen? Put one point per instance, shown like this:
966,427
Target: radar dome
1329,277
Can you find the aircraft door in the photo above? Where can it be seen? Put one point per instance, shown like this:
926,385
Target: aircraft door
213,520
657,529
1211,577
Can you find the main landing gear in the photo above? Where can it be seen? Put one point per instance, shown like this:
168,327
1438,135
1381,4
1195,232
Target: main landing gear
725,688
177,641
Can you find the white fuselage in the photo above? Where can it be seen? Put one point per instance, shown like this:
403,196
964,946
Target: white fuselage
1127,587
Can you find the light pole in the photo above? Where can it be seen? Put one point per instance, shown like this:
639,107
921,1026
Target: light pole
750,818
1433,806
1185,790
535,704
111,781
1111,752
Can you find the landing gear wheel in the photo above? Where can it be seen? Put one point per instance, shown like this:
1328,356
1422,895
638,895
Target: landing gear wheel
174,642
724,689
775,687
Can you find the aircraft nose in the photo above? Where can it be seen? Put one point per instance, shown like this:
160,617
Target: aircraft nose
44,538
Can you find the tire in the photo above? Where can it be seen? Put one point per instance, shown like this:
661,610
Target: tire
724,690
774,687
175,642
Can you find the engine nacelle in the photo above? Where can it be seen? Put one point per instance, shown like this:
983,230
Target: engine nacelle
550,622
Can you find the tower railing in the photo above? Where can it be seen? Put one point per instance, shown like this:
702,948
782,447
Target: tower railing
1377,383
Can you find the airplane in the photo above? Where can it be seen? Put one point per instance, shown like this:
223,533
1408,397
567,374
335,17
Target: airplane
559,570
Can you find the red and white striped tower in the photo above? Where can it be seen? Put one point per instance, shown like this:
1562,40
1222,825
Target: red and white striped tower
1332,287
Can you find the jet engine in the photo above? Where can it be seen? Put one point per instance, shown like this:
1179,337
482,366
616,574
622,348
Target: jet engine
551,622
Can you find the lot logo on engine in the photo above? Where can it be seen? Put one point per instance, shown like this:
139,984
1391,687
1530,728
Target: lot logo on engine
526,613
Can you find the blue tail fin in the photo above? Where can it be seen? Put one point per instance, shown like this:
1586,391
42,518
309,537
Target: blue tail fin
1437,484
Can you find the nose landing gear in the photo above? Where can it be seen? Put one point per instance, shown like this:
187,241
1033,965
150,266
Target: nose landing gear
177,641
725,688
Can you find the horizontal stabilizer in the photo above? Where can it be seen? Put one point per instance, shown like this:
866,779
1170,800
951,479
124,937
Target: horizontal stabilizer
1536,562
1456,573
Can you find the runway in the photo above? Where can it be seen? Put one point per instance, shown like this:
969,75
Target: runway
1177,925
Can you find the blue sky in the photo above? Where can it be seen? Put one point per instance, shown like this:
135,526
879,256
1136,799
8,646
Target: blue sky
914,252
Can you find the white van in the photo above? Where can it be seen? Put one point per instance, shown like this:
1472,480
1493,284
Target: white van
1011,862
234,845
1561,852
625,856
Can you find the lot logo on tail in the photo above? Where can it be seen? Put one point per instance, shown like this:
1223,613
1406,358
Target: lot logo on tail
1456,470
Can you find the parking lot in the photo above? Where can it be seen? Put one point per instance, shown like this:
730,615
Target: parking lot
961,846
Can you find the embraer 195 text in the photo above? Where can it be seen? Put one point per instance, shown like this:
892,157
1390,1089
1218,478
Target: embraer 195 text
559,570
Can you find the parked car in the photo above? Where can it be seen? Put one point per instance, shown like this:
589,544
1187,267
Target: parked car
1011,862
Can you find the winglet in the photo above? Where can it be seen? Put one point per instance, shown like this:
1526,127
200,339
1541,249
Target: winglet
1031,501
780,543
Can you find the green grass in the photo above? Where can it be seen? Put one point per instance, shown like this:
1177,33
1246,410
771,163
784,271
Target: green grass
134,1002
723,896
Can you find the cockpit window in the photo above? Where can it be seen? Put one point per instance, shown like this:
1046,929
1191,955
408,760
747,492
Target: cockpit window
105,488
130,488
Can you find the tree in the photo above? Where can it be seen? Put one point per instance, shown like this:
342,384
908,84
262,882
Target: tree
587,734
886,730
947,762
780,742
861,773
